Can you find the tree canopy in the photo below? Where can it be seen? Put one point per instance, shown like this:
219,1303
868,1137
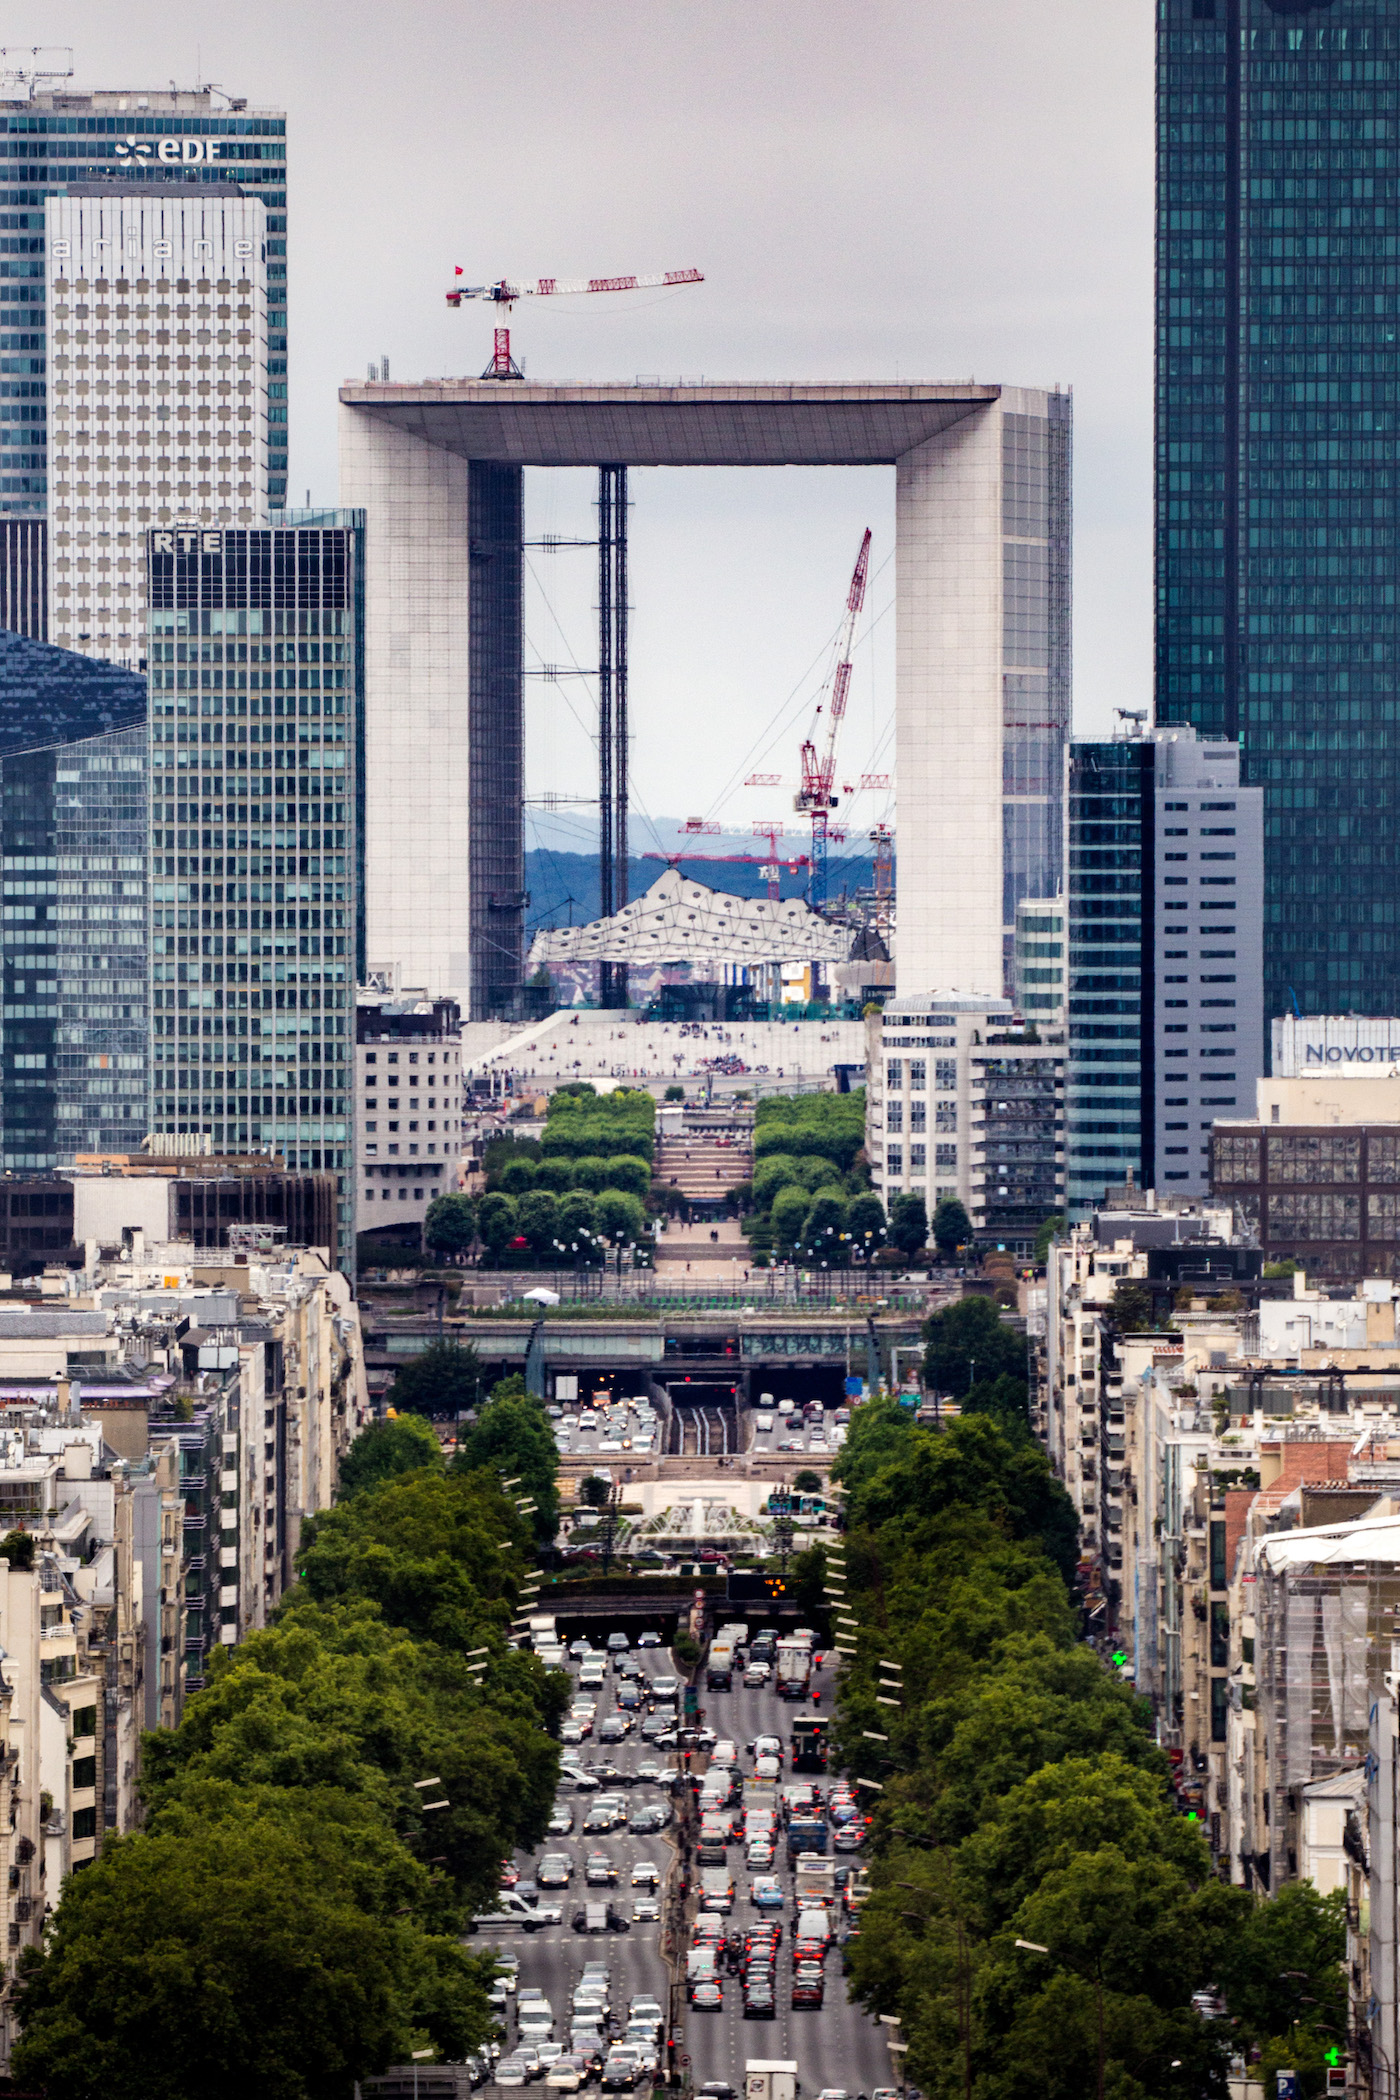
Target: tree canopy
512,1439
969,1343
387,1449
1023,1798
290,1918
444,1379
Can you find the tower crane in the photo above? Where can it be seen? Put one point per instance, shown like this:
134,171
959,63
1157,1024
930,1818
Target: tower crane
816,797
507,290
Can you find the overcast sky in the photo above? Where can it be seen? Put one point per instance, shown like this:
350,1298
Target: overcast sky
922,189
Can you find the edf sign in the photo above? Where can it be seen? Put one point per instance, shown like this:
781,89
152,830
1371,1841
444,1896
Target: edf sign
187,150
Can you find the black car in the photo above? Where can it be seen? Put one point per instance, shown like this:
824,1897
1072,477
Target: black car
760,2001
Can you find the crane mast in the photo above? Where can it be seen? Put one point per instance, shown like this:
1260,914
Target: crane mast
815,798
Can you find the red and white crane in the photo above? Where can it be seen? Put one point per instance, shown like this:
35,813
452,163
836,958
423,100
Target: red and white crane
507,290
816,796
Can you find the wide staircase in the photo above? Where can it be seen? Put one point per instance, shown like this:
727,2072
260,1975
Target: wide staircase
703,1168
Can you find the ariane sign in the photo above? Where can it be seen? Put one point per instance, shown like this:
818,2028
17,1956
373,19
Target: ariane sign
188,151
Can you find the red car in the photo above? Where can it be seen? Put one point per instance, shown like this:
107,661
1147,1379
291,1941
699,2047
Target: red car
510,1873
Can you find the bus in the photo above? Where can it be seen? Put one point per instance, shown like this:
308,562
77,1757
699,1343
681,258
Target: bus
809,1747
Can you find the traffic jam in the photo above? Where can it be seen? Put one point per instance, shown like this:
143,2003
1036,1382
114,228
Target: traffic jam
701,1872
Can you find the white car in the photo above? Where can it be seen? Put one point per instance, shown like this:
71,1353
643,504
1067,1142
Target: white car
645,1874
646,1910
756,1674
768,1768
567,2075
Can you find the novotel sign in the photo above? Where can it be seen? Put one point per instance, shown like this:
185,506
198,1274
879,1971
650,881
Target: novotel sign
190,151
1353,1054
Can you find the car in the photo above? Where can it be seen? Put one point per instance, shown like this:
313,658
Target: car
655,1726
767,1893
648,1817
650,1772
561,1823
513,2070
602,1817
791,1443
707,1932
510,1873
567,2075
646,1910
579,1648
616,1642
756,1674
708,1997
766,1767
648,1640
808,1993
615,1729
582,1782
760,2000
600,1871
555,1871
665,1690
645,1874
848,1837
724,1754
758,1853
621,2069
574,1731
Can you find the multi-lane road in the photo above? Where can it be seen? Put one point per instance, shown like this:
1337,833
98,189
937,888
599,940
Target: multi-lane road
837,2046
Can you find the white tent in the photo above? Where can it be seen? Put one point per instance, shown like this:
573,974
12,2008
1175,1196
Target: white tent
681,921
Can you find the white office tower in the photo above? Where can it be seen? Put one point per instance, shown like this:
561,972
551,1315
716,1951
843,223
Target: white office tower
157,328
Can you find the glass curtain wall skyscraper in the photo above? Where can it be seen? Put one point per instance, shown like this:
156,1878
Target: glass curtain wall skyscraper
73,941
177,142
256,759
1278,451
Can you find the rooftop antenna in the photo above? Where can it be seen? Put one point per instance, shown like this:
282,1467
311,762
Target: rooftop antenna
21,65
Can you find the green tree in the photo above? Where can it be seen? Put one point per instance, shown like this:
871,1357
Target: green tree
578,1217
952,1227
1005,1399
823,1226
224,1962
593,1491
555,1174
771,1174
1284,1970
1052,1228
674,1093
517,1178
512,1437
788,1216
969,1343
495,1221
449,1226
538,1218
807,1482
865,1222
909,1223
621,1214
443,1379
385,1450
1132,1306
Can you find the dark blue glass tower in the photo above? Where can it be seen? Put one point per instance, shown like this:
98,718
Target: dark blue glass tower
1278,455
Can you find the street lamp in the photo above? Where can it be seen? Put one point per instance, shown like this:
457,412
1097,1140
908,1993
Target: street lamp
1034,1947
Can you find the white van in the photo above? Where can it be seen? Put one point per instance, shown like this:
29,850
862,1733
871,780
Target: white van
513,1913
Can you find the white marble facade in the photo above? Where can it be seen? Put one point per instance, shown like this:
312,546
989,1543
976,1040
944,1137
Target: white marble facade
417,811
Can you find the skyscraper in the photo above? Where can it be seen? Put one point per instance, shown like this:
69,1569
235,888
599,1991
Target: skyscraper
157,392
173,142
1277,454
73,937
256,758
1165,909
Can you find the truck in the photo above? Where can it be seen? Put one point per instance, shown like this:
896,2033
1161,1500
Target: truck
716,1889
805,1834
719,1667
771,2079
814,1882
513,1913
794,1669
809,1743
